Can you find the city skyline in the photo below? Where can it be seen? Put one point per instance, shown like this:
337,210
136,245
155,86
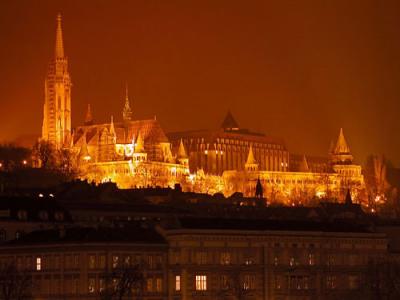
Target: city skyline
153,75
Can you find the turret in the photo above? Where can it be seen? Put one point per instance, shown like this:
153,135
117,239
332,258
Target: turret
251,164
89,116
139,154
182,157
341,151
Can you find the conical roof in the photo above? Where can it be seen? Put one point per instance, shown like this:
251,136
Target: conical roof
341,144
229,122
303,167
84,152
139,146
250,158
181,150
59,49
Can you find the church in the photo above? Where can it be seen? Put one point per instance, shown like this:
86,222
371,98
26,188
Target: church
138,153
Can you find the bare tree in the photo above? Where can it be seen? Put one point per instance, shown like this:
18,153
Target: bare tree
123,281
44,153
14,284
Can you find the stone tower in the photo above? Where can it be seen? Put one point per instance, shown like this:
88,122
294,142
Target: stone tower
57,106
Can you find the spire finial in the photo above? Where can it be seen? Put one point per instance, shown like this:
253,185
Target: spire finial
127,111
59,51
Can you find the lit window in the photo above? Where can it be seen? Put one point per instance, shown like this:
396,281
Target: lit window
225,258
201,282
38,263
177,283
92,262
149,284
158,285
311,259
249,282
115,260
91,285
331,282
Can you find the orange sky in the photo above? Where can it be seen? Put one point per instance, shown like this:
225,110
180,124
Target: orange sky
296,69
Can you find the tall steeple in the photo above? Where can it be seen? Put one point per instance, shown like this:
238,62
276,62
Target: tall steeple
89,116
127,112
57,105
59,51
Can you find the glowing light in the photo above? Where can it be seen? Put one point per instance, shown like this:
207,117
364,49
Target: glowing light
41,195
221,152
51,195
320,194
1,165
87,158
206,152
24,162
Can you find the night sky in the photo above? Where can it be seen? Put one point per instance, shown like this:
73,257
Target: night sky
296,69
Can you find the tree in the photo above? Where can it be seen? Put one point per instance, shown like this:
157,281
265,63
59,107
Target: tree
44,152
123,281
14,284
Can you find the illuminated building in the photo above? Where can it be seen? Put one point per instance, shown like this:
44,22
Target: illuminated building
216,151
137,153
57,106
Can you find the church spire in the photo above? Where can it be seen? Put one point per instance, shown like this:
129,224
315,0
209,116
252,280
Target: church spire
89,116
127,112
251,163
139,146
59,50
181,151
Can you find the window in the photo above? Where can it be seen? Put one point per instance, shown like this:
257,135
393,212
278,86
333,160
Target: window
92,261
201,282
158,285
331,282
91,285
177,283
311,259
201,258
102,285
224,282
115,260
38,263
149,284
249,282
353,282
102,261
225,258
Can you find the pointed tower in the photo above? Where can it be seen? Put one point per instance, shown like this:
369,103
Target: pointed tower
259,189
89,116
251,164
182,156
127,111
83,151
303,167
341,151
112,132
57,105
229,123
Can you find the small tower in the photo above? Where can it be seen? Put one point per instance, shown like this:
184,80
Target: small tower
341,151
89,116
139,154
251,164
127,111
182,156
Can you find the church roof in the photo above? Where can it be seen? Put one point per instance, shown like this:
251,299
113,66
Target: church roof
150,130
229,122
